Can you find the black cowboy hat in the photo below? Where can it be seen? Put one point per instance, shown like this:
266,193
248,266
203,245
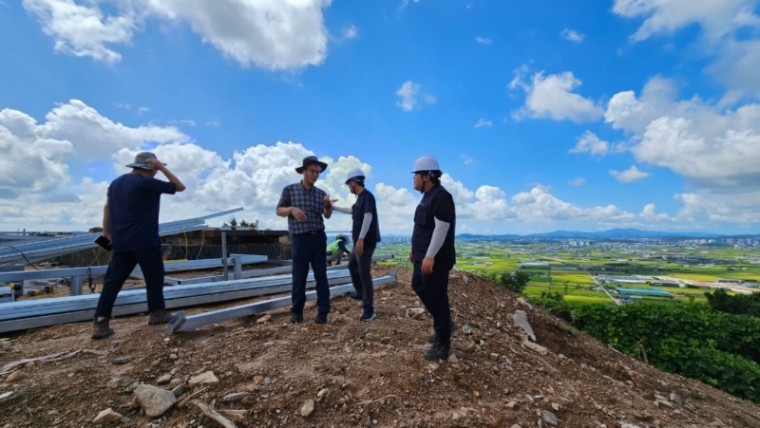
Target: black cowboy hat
310,160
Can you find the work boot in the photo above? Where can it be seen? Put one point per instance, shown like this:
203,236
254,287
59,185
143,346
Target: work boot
452,327
296,317
101,329
321,318
367,315
161,316
440,349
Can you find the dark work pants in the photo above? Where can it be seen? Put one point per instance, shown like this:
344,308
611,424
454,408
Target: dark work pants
433,291
121,266
360,268
310,249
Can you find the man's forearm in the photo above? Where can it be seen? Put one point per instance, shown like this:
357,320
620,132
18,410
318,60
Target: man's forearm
173,179
366,223
439,235
106,221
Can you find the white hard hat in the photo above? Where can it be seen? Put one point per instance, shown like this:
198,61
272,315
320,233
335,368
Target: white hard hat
354,174
426,163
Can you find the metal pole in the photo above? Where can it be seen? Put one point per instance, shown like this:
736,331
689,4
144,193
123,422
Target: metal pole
76,285
224,255
237,267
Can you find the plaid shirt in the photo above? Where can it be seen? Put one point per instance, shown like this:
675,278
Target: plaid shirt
310,201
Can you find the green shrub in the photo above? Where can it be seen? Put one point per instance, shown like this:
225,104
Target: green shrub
718,348
554,303
514,281
729,372
740,304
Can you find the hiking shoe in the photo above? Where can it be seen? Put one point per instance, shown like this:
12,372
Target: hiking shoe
161,316
438,351
101,329
367,316
434,336
296,318
321,318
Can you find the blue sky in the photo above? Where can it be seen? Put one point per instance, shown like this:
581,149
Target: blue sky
544,115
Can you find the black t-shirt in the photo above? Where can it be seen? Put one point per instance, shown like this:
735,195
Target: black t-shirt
133,206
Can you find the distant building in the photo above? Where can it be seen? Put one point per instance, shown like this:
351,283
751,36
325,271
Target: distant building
534,265
641,292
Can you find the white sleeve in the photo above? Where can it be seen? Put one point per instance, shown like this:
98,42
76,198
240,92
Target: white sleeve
366,223
439,235
342,210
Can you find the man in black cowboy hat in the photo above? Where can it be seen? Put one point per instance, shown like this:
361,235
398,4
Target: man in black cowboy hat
130,222
305,205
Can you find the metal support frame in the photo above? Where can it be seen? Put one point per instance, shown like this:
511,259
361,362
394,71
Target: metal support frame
287,267
77,275
224,254
37,250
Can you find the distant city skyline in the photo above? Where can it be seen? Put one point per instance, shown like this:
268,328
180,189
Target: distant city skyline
544,115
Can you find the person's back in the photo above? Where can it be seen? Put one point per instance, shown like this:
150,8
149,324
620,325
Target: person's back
134,204
332,247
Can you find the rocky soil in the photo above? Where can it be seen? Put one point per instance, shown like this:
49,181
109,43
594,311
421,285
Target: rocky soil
265,372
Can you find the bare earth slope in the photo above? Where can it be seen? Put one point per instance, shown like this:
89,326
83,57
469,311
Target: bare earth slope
354,373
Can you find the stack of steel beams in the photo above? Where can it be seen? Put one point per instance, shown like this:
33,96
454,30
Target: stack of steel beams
46,312
180,322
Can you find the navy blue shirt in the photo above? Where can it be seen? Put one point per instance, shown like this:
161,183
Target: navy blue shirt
436,203
133,206
311,201
365,203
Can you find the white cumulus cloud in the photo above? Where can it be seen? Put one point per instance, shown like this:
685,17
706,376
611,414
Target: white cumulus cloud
727,35
590,143
552,97
629,175
409,96
572,35
273,35
715,149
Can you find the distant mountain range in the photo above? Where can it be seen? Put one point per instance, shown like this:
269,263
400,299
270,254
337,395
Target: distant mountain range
605,234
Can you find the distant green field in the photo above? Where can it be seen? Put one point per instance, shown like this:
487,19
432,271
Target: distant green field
567,273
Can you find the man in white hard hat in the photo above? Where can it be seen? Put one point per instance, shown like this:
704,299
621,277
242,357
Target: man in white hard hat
365,232
433,254
305,205
130,223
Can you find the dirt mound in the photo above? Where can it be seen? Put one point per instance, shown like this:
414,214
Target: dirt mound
268,372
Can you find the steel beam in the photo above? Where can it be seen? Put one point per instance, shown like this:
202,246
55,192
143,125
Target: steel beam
181,322
142,307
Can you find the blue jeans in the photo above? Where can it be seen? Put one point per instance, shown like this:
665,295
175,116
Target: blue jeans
310,249
433,291
360,268
122,263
